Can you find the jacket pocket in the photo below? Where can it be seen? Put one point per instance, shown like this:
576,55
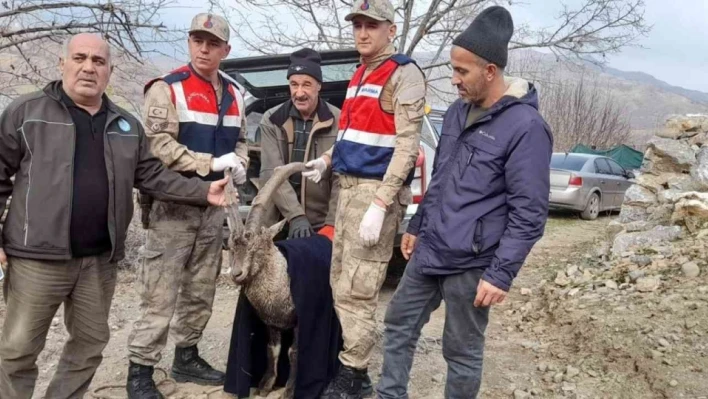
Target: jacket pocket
485,157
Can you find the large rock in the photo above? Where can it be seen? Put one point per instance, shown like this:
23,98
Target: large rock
658,235
699,172
637,195
670,196
660,214
699,139
629,214
655,183
683,182
640,225
692,210
666,155
685,125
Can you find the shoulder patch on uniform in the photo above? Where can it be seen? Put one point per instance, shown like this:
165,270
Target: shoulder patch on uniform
176,77
159,126
157,112
402,59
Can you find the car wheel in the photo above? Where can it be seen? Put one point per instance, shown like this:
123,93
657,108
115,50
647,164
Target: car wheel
592,209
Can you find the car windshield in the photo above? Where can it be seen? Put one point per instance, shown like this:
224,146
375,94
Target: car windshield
278,77
568,162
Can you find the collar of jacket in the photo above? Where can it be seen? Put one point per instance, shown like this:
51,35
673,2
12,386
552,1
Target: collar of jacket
513,96
376,60
53,91
322,114
194,72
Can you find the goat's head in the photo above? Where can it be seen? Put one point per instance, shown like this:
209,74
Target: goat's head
250,244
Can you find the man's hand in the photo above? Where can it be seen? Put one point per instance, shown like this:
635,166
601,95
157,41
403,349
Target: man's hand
232,161
299,227
216,195
316,169
408,245
488,295
370,227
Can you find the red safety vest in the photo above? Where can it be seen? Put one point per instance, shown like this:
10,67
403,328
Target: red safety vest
367,133
203,125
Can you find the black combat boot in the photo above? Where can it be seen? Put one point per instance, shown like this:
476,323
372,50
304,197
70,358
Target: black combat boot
140,384
189,367
346,385
367,390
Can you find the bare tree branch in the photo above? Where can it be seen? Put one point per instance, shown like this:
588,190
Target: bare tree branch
588,31
31,32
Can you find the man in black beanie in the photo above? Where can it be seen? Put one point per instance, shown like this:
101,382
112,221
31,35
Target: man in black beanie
301,130
467,244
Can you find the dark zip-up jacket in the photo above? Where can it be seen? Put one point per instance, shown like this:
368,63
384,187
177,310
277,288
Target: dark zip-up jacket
37,140
487,202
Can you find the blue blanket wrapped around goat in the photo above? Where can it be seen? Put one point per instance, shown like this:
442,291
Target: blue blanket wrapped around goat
319,332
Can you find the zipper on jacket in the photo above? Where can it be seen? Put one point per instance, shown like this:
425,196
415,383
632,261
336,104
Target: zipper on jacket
111,234
477,236
29,186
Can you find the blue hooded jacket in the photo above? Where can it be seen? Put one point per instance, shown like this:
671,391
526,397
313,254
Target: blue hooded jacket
487,202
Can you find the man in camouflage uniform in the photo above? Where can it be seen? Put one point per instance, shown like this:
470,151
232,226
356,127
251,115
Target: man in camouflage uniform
195,123
374,155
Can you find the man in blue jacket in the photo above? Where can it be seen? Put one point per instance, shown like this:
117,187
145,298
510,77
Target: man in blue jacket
485,208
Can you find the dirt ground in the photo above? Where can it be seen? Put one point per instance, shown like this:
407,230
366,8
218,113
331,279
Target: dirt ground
542,342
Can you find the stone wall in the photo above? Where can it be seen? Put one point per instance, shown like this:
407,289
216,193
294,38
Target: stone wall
670,197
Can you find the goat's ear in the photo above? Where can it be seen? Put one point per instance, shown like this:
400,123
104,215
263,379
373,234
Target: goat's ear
275,229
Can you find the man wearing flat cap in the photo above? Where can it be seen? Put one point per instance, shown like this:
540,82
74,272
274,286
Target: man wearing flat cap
485,208
300,130
195,122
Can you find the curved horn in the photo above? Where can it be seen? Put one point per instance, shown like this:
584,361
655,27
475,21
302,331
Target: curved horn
232,215
264,199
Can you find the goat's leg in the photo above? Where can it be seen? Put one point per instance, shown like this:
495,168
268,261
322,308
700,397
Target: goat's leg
292,354
271,373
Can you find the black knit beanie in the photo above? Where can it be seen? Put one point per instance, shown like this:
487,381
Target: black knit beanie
305,62
488,35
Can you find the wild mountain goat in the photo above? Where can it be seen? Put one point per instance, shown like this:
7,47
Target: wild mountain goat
261,270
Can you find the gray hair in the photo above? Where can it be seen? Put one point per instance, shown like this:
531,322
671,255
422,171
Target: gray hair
68,39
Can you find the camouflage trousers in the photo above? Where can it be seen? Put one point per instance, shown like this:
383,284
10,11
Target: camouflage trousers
358,272
177,277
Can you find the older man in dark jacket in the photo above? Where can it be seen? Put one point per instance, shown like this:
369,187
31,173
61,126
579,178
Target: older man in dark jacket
76,157
485,208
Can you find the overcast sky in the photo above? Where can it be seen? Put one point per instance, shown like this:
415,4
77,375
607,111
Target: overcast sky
675,51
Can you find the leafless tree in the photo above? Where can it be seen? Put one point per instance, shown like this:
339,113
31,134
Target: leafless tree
583,111
31,33
594,28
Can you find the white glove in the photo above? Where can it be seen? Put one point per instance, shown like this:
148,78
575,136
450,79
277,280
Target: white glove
370,227
230,160
316,168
